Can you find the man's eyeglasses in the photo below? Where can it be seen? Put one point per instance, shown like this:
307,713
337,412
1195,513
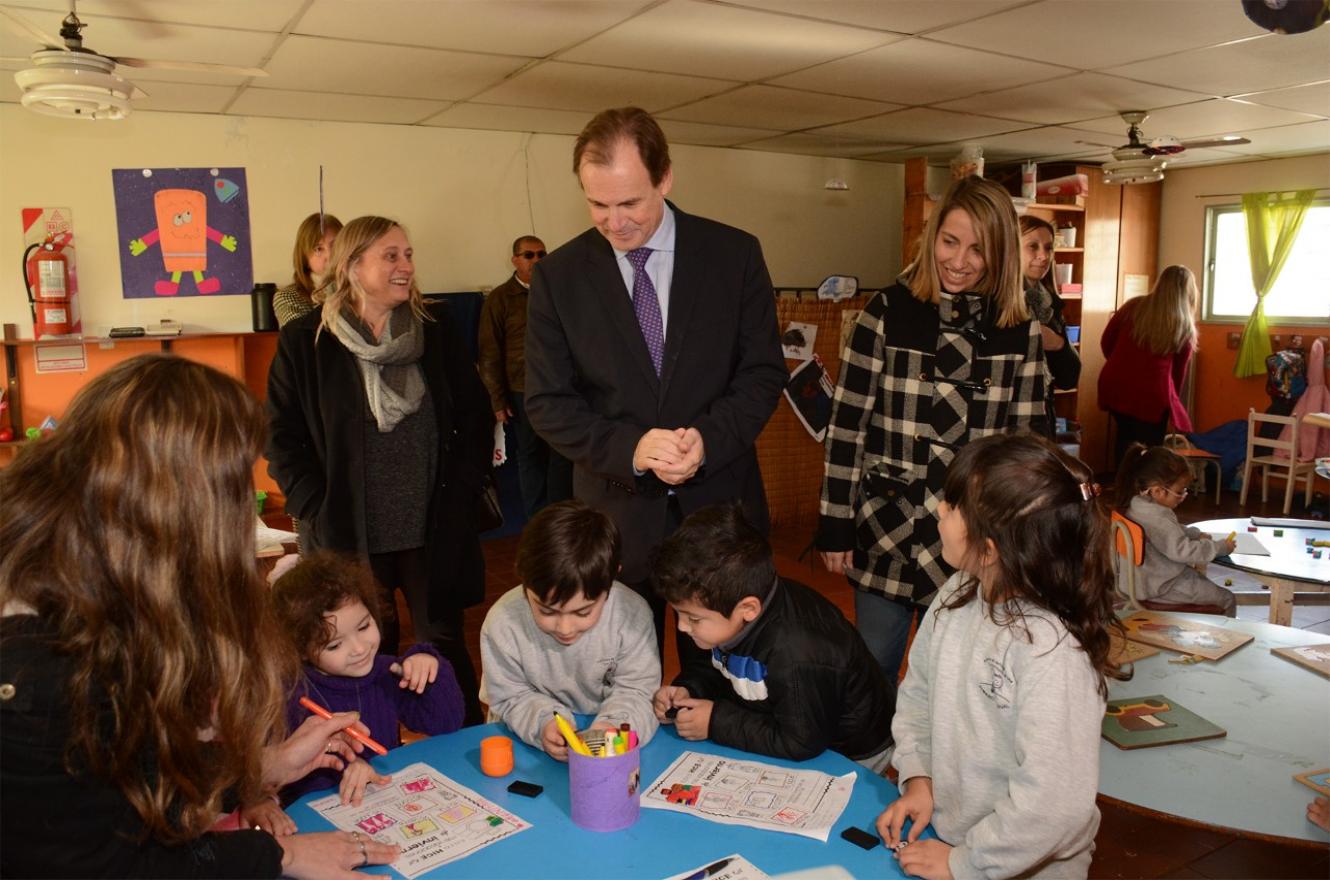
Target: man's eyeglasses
531,255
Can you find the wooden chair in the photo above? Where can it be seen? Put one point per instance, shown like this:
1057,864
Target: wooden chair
1290,468
1129,542
1197,460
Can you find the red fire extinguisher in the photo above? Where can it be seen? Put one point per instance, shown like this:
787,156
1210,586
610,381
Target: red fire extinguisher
46,277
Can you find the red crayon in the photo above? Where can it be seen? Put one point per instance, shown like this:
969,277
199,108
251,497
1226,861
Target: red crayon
350,731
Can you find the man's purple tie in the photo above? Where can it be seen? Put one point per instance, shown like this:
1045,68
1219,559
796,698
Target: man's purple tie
647,307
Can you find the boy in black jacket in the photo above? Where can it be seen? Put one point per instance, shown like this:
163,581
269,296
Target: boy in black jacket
777,669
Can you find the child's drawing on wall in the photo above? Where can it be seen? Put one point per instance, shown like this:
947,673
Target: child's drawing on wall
197,218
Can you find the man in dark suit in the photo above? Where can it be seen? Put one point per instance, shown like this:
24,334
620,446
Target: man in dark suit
653,356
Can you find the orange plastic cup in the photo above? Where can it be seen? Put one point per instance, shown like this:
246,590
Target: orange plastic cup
496,756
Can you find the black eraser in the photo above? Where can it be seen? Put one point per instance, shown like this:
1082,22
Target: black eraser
525,789
672,712
860,838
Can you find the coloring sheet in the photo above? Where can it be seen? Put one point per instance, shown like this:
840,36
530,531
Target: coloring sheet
1246,543
743,792
732,867
433,819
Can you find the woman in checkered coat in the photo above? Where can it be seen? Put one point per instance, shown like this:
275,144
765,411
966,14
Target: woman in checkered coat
945,355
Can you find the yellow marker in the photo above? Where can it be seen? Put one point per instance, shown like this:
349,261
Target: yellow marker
1232,535
574,741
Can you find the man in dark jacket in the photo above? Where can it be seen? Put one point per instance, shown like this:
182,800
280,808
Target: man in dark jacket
774,667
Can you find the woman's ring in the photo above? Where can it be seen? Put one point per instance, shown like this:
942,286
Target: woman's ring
355,837
364,856
330,748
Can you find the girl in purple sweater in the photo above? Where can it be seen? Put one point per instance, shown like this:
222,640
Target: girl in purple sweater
329,607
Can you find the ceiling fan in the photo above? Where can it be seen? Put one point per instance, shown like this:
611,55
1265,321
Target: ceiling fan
71,81
1142,161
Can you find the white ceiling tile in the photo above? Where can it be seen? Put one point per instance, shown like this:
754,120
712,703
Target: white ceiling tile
901,16
811,144
586,87
184,97
1271,61
1309,137
1043,143
335,107
1214,117
922,125
257,15
703,134
499,118
1311,98
512,27
775,108
1071,99
684,36
1090,34
932,151
919,72
1204,156
302,63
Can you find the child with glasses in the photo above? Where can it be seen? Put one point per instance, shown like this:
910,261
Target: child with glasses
1152,482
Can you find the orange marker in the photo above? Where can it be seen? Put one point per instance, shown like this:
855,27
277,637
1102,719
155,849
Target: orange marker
350,731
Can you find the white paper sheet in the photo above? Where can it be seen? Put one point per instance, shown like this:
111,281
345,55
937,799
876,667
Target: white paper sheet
743,792
433,819
732,867
1247,543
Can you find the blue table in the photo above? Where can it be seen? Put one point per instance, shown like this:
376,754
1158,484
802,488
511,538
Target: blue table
662,843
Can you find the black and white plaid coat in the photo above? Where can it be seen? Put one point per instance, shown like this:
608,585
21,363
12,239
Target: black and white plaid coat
917,382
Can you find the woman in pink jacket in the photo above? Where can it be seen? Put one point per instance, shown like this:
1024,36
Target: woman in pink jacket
1148,344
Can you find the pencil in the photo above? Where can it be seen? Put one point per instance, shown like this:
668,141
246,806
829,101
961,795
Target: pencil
350,731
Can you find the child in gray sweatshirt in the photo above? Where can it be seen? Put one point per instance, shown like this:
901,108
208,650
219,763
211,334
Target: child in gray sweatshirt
1151,483
997,722
570,639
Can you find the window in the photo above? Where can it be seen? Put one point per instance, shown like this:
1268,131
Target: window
1301,294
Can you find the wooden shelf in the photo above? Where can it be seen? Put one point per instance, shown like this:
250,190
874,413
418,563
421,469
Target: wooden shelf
1068,296
1067,250
1076,209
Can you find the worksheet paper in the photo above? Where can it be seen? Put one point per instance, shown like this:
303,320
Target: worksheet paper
433,819
1247,543
743,792
732,867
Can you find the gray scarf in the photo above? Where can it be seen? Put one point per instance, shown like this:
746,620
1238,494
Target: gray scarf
394,384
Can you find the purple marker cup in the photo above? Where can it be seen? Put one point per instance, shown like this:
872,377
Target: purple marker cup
604,791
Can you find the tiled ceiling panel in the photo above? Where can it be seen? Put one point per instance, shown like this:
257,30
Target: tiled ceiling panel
586,87
1026,78
536,28
1095,33
901,16
771,107
1072,98
919,72
682,36
921,125
365,69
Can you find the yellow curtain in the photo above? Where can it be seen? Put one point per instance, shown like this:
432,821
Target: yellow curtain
1273,221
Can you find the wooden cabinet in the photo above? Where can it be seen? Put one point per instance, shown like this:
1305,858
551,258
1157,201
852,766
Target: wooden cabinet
1117,236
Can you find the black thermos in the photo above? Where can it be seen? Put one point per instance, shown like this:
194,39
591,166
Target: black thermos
260,304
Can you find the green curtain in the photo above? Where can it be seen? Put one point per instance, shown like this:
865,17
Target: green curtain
1273,221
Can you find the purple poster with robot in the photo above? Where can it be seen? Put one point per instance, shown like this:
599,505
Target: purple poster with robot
183,231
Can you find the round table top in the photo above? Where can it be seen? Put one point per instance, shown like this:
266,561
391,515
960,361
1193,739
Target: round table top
1288,551
1277,715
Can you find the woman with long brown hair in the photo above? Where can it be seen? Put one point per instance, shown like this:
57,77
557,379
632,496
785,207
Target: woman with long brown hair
1041,297
142,674
947,354
382,434
1148,345
309,259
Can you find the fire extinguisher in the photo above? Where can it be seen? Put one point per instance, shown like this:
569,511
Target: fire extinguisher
46,277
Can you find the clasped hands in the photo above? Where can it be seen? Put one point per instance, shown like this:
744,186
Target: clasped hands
672,455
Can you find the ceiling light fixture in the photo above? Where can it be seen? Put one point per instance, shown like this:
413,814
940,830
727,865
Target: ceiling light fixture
74,85
837,184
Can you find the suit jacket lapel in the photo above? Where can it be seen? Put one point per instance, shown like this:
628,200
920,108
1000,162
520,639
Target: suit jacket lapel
684,292
604,277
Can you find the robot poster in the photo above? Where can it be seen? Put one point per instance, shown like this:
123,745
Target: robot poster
183,231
